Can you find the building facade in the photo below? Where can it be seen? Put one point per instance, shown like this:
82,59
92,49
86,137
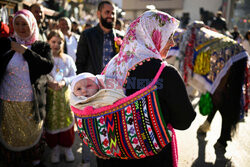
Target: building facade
135,8
241,16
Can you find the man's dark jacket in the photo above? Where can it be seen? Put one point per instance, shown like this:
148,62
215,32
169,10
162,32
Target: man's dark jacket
219,23
89,56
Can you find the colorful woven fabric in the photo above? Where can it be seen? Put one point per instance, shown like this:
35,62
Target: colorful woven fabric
133,131
131,128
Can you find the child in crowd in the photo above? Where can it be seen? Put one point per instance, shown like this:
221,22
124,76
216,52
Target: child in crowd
96,91
59,121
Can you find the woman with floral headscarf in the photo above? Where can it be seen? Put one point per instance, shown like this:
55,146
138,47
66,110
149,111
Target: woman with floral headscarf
24,62
145,44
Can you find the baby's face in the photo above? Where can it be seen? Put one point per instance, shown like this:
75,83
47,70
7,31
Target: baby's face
85,87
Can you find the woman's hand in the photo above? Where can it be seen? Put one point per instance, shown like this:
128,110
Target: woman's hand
56,85
53,85
18,47
61,84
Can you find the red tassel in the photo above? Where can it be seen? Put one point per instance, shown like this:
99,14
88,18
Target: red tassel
188,60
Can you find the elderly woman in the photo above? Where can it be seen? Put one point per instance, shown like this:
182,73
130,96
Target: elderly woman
145,44
24,62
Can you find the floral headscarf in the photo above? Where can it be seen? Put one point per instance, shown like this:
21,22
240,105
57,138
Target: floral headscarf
145,38
31,21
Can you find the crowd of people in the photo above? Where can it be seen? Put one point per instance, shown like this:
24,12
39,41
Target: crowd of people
37,67
40,70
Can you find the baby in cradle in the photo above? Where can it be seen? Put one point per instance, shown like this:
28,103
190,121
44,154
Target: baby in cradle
90,90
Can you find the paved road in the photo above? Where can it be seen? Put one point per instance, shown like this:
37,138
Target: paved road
199,152
193,151
77,149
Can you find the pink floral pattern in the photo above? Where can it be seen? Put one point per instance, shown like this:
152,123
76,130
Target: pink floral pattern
83,134
102,120
118,43
157,38
142,156
135,141
79,123
105,142
103,134
132,132
164,19
128,110
145,38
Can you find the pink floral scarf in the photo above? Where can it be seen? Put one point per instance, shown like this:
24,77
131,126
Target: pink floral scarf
31,21
144,39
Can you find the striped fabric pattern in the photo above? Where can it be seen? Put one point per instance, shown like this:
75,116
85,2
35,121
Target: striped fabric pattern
133,131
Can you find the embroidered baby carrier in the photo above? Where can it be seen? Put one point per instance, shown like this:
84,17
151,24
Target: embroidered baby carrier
131,128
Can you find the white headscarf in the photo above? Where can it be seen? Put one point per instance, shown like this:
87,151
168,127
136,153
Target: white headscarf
98,79
145,38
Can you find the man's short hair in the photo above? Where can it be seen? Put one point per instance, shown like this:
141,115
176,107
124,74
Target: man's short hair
119,22
101,4
246,35
219,13
66,19
35,4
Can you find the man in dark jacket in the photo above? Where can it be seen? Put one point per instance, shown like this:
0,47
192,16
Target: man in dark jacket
97,45
219,23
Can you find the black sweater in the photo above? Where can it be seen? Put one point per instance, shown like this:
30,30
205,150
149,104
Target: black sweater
175,105
40,62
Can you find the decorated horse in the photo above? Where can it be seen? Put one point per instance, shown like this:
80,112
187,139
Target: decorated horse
216,66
